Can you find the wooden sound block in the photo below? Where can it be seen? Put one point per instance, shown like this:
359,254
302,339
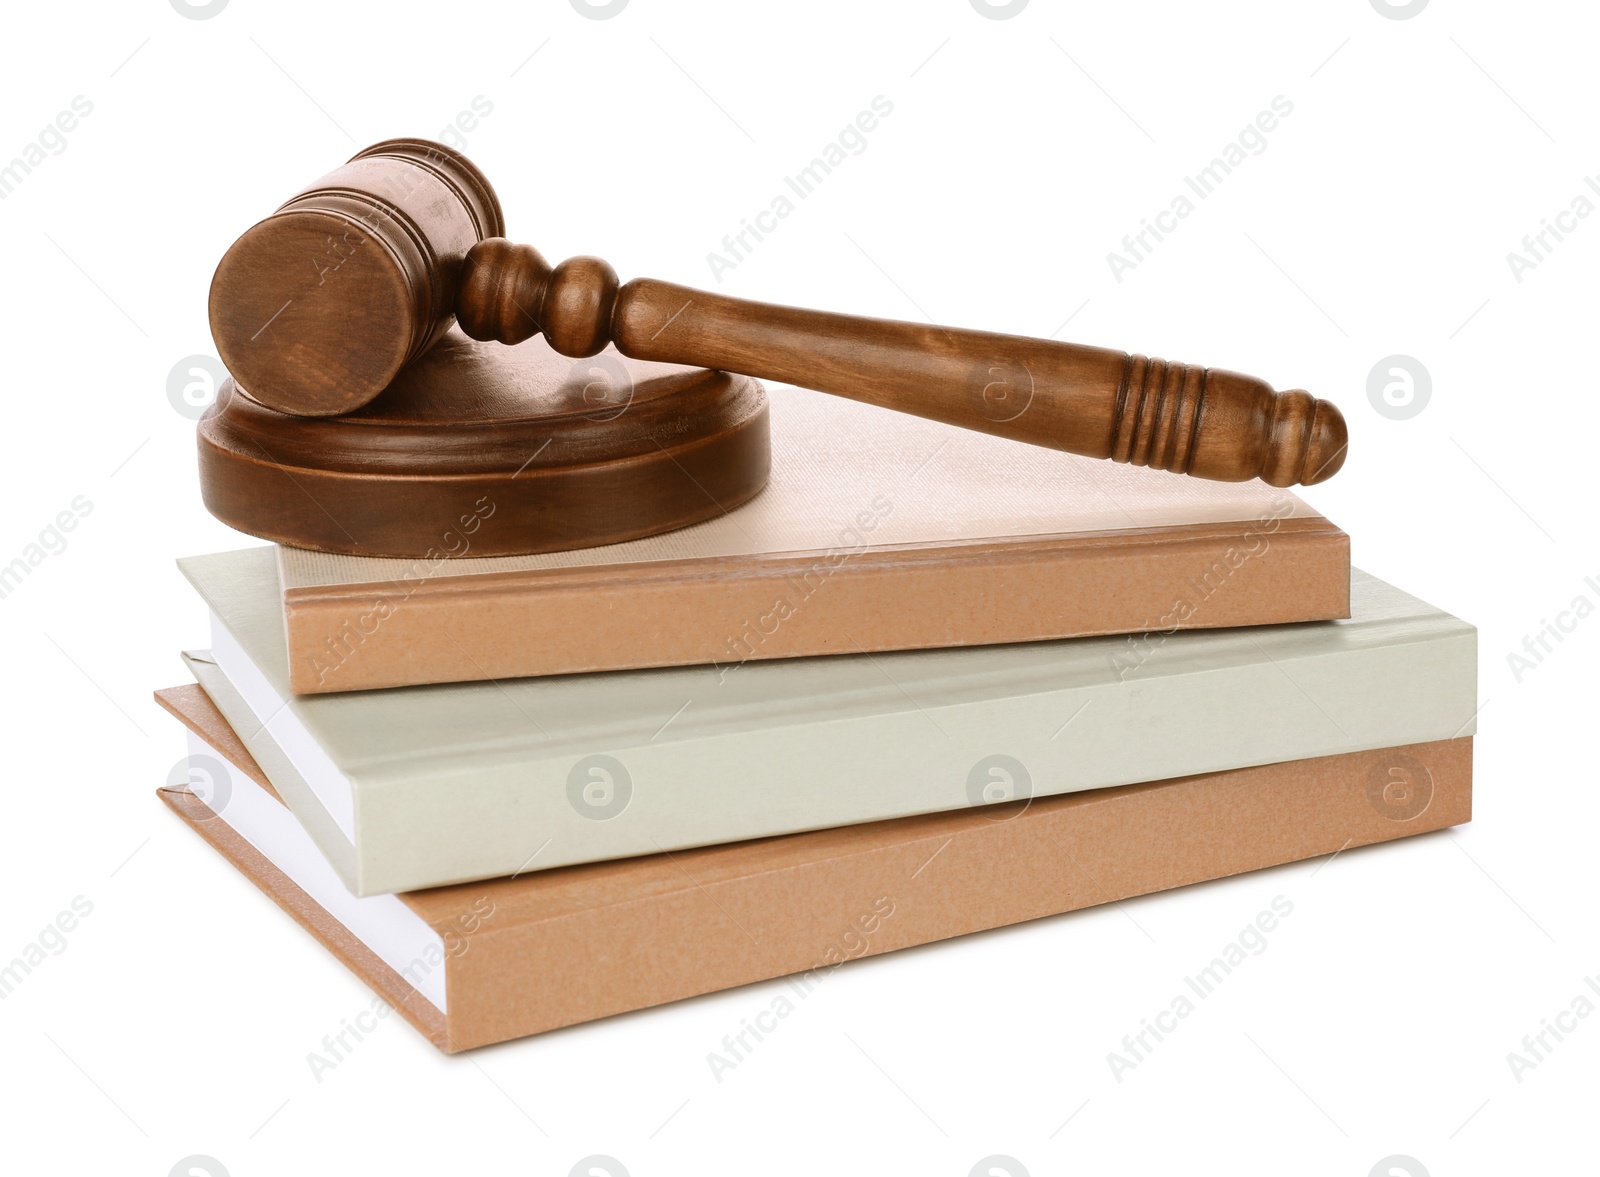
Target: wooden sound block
483,450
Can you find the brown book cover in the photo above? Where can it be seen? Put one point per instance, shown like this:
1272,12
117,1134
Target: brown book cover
532,953
878,531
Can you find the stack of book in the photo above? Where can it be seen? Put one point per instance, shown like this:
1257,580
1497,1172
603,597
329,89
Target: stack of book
929,682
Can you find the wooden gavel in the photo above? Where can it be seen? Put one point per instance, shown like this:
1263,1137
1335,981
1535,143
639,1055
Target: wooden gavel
316,310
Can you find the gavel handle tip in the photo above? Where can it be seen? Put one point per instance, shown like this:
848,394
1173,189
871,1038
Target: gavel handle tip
1305,440
1328,444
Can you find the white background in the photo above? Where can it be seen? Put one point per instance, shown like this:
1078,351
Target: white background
1377,221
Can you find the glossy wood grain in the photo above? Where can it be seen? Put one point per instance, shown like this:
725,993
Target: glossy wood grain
481,450
412,236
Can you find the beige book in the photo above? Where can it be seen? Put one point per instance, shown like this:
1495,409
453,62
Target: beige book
483,962
878,531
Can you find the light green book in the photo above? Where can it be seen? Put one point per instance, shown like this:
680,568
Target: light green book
420,786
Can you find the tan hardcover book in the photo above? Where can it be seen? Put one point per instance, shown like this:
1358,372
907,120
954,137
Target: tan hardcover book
878,531
484,962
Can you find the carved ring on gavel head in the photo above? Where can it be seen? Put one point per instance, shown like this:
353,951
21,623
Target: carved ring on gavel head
316,310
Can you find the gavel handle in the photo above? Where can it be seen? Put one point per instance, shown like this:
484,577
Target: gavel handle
1085,400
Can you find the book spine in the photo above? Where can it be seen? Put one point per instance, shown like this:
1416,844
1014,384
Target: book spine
729,613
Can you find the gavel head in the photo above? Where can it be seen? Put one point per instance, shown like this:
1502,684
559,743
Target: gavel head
316,309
